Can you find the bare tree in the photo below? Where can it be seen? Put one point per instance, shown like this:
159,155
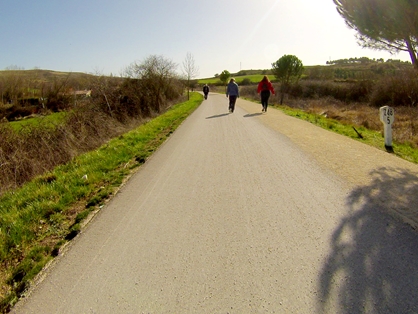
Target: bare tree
158,80
190,71
13,86
104,86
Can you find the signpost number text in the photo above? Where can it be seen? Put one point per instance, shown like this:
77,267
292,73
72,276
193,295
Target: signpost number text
387,116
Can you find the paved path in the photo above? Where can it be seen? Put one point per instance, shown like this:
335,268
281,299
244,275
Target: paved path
247,213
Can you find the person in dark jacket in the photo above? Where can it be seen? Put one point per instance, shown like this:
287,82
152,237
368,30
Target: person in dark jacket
232,91
206,90
264,88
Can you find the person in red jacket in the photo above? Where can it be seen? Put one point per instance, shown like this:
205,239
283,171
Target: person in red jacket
264,88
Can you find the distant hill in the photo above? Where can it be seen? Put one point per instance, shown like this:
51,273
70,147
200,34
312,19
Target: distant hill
354,68
43,75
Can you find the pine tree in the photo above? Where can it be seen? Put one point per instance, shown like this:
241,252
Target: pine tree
390,25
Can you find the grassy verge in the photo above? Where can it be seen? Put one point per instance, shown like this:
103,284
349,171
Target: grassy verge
37,219
370,137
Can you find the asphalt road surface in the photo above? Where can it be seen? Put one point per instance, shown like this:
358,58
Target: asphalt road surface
247,213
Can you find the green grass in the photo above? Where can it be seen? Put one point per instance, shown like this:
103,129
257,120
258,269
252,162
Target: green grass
49,120
37,219
370,137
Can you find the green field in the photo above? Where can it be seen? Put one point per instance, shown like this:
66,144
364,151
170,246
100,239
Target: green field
254,78
43,121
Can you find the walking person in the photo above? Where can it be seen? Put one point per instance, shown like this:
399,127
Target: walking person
264,88
232,91
206,90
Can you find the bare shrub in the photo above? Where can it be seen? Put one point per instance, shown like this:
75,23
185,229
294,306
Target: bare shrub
116,106
400,89
105,93
151,87
8,154
353,91
405,128
33,150
246,81
12,112
249,91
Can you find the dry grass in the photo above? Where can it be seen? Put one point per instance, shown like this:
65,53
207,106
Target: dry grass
34,150
405,127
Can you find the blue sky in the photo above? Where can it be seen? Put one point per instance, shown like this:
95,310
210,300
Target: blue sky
106,36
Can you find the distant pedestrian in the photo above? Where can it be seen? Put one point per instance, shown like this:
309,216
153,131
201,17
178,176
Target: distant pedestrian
206,90
264,88
232,91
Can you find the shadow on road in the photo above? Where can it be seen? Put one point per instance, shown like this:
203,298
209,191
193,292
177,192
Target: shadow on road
249,115
373,264
218,116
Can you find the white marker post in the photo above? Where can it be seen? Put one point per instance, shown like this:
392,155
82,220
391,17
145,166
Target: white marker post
387,116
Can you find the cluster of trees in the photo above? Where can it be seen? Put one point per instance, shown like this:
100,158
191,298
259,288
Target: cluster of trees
144,88
362,60
148,88
380,24
26,92
287,70
248,72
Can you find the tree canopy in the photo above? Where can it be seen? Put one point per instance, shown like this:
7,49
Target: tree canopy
287,69
224,76
390,25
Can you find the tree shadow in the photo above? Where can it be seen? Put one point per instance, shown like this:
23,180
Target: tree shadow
218,116
373,261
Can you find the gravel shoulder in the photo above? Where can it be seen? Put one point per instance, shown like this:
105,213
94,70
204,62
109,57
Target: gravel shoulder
359,165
